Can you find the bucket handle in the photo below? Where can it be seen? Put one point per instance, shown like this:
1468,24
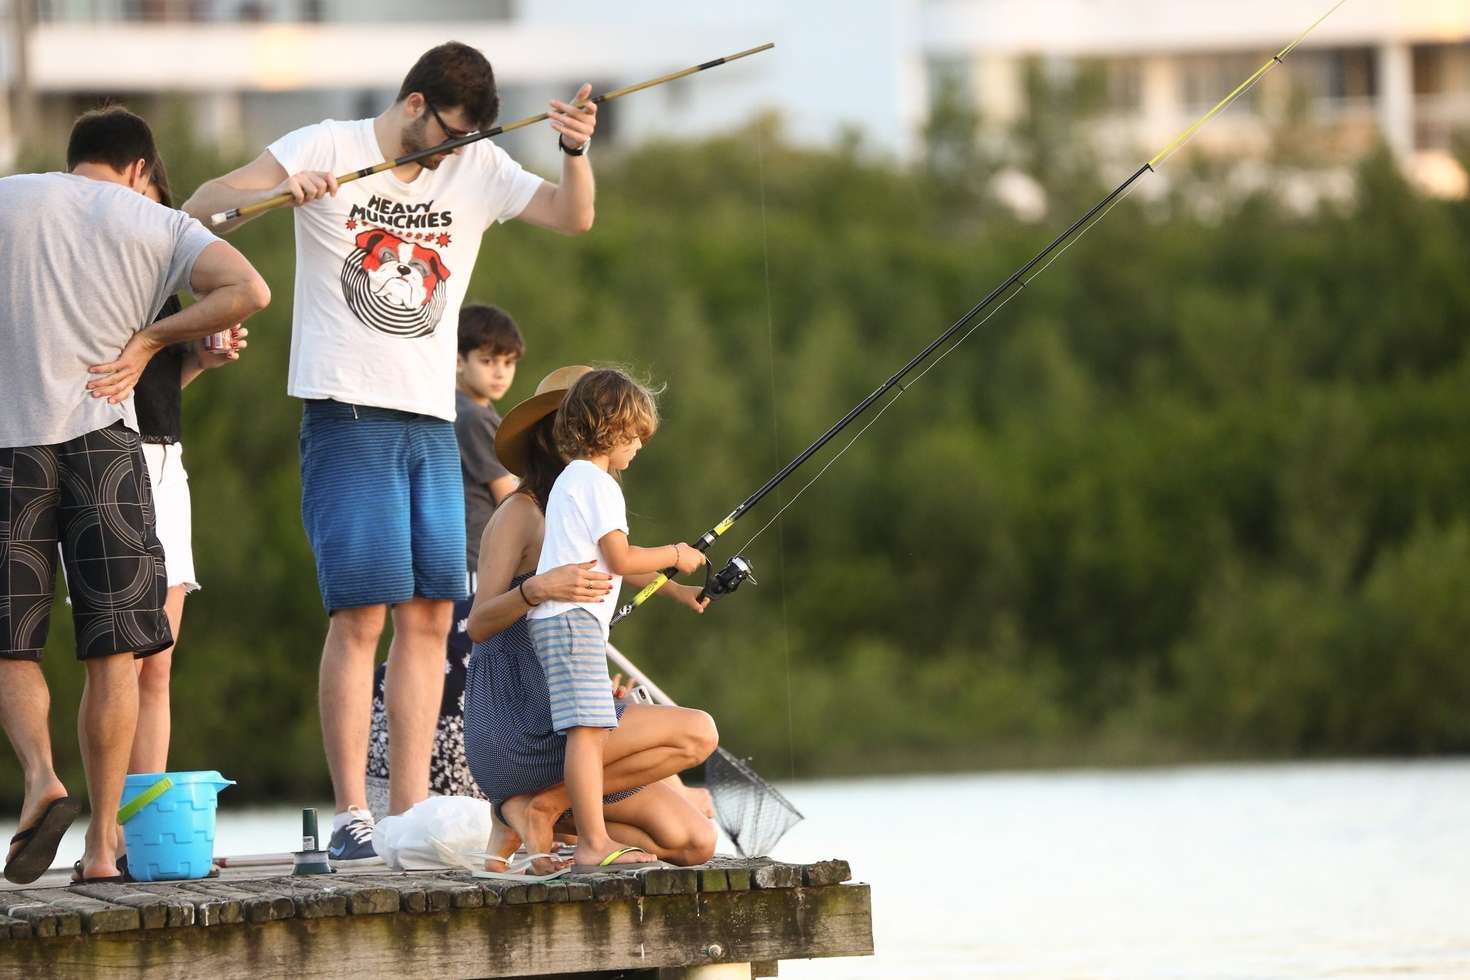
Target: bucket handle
135,806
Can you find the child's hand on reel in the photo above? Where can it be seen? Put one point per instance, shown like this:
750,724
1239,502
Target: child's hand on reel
689,558
687,595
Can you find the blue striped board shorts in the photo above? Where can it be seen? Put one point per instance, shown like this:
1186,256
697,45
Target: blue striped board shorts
383,504
573,653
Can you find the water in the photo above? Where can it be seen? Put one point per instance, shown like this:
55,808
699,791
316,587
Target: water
1320,870
1351,870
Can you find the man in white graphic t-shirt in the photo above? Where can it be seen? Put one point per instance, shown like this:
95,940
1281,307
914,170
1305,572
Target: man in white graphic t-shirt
382,265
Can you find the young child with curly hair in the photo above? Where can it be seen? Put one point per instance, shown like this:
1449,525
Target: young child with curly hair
603,422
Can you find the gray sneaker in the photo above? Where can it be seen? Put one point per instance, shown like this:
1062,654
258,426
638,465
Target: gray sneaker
352,843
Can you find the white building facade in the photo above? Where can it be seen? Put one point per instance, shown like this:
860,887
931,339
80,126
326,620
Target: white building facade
250,69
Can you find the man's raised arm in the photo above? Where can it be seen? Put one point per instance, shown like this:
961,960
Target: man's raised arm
259,179
568,207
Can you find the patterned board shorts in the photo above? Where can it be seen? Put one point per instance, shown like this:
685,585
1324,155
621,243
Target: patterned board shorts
573,653
91,494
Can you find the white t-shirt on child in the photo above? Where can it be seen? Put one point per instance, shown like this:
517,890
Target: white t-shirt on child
382,267
585,504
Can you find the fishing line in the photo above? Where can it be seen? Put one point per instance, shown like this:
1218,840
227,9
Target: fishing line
760,158
903,389
728,579
1169,151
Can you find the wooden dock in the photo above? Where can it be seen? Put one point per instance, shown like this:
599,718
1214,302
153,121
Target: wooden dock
708,921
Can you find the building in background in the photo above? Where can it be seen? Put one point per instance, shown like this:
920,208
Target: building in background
1396,70
251,69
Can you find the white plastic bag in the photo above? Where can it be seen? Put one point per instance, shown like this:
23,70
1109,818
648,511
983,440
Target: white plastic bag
442,832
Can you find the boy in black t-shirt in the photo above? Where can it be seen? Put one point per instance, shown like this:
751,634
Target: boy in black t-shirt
490,347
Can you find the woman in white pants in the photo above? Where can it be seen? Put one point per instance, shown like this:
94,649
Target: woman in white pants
157,399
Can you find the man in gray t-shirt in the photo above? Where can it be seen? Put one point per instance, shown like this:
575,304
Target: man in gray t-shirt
87,260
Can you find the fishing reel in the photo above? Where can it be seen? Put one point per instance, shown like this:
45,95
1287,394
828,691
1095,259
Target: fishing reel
719,584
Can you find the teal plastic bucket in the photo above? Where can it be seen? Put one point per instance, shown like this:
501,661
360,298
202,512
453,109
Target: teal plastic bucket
168,822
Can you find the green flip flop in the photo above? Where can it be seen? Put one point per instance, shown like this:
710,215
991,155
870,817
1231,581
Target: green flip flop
607,864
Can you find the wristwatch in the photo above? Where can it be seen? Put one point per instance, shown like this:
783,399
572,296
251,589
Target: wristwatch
578,151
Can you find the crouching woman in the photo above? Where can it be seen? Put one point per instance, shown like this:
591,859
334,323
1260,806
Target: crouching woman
513,752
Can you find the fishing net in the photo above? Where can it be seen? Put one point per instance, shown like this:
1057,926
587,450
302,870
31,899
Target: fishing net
751,812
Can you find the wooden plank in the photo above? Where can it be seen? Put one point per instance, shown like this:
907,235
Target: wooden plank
96,916
832,872
714,880
499,892
765,968
12,928
155,911
208,910
46,920
774,874
416,894
738,871
309,903
364,893
608,887
498,941
439,893
670,881
255,907
463,892
419,892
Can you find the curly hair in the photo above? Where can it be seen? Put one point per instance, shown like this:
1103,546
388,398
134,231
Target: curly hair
604,408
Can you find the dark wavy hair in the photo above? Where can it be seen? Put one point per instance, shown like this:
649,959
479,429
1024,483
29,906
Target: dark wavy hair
455,75
543,462
161,185
483,327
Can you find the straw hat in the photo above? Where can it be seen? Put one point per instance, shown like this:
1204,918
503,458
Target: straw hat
513,439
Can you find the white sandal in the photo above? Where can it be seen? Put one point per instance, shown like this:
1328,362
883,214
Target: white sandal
520,870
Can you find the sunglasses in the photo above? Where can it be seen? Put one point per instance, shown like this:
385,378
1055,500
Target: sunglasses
449,131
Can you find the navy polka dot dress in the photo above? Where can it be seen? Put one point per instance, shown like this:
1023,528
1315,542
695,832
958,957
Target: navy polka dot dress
508,740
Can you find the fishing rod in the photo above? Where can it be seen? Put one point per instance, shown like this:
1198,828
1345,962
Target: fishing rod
448,146
724,582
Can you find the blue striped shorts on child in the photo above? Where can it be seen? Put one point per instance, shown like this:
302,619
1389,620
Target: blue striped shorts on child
573,653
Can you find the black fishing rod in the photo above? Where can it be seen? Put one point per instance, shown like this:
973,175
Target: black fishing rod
725,581
449,146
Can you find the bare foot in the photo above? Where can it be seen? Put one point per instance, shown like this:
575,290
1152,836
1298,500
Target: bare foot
531,818
587,853
93,869
97,864
37,799
503,843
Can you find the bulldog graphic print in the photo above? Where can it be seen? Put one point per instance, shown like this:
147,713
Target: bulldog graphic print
394,280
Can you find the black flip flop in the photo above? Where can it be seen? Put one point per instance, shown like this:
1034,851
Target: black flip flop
122,868
77,878
39,841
